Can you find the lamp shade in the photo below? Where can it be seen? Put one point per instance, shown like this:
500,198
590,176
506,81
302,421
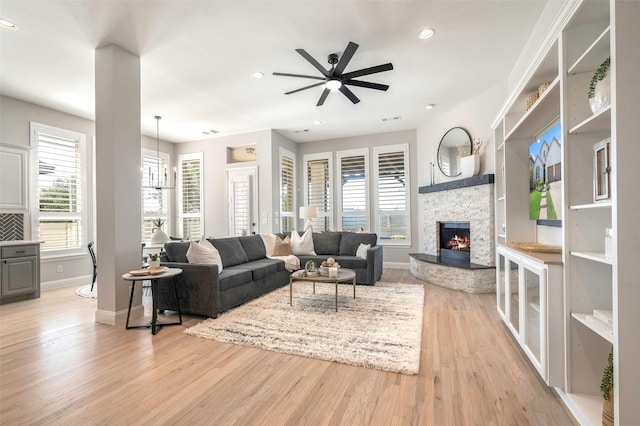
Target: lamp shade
308,212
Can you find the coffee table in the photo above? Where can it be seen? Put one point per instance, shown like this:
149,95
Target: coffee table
344,275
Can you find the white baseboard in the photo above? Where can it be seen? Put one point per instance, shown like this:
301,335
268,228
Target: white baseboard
396,265
113,318
67,282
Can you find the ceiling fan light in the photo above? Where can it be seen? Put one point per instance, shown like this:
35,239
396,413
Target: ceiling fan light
333,84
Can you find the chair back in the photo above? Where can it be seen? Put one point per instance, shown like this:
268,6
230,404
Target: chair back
92,253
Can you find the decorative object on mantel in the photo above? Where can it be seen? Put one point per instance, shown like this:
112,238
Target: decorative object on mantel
159,236
606,387
600,88
539,247
470,164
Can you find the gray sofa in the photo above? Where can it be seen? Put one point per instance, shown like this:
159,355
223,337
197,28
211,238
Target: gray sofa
247,273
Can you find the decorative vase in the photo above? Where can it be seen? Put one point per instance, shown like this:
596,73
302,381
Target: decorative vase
607,410
601,95
159,237
469,165
154,264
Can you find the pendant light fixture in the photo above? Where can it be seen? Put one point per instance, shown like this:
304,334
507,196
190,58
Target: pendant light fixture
159,180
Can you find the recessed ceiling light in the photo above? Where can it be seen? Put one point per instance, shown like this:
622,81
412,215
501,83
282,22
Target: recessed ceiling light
5,23
427,33
317,122
397,117
429,106
257,74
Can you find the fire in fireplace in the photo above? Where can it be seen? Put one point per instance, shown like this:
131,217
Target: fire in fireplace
455,241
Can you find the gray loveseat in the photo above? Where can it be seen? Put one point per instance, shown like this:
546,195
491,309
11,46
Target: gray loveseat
247,273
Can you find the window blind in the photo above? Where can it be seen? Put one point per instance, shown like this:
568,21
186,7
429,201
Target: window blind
287,194
393,221
353,181
319,192
190,204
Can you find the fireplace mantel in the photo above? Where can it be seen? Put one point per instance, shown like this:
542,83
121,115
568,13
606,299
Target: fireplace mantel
460,183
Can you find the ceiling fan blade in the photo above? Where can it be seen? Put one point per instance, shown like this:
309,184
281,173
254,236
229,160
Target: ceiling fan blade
367,71
349,94
284,74
313,62
346,57
305,88
324,95
367,84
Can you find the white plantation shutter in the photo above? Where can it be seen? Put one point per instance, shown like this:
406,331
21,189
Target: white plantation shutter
61,197
190,195
353,190
392,194
240,191
287,192
155,202
318,194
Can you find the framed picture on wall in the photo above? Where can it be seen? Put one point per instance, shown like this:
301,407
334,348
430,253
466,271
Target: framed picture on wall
601,169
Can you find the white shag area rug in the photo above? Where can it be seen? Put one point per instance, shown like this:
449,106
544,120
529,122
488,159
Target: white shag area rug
380,329
85,291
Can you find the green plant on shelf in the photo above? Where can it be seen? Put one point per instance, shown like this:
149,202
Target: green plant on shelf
607,377
158,223
599,75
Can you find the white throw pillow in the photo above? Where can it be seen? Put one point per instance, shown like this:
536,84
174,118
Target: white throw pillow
205,253
269,241
362,250
302,244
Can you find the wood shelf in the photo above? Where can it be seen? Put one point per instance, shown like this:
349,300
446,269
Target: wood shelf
595,54
588,408
546,108
599,122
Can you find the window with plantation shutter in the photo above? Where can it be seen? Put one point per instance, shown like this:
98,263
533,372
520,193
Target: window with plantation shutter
353,193
190,212
393,222
60,182
287,191
155,202
318,189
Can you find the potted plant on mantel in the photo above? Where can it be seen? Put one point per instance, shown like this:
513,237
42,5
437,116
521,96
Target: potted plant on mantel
159,236
606,387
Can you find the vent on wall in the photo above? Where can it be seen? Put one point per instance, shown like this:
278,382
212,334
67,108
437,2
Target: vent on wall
11,226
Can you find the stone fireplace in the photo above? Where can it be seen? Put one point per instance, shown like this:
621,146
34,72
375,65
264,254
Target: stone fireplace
457,225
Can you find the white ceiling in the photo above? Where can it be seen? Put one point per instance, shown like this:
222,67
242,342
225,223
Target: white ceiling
197,58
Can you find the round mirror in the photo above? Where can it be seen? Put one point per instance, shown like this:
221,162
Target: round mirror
454,144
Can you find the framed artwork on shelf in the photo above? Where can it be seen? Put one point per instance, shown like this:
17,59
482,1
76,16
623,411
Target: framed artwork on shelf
601,169
545,176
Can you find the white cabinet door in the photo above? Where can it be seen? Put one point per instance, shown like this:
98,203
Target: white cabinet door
13,178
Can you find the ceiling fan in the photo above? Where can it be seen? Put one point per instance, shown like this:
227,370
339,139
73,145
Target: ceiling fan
335,78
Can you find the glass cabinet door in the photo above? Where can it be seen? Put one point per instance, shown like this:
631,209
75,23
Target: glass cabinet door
533,335
513,301
501,283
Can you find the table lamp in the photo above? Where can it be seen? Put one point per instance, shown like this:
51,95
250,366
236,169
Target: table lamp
308,213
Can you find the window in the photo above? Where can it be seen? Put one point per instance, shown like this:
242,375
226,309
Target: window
353,194
393,221
190,210
318,189
287,191
60,182
155,202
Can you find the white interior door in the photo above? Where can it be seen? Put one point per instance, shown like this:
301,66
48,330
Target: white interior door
243,201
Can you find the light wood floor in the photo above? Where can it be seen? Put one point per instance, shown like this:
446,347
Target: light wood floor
58,367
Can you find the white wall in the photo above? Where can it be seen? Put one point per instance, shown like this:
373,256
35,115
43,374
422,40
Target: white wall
475,115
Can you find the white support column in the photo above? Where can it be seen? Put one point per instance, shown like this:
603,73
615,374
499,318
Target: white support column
118,194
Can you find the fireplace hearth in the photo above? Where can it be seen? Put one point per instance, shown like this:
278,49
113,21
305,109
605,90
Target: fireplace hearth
455,241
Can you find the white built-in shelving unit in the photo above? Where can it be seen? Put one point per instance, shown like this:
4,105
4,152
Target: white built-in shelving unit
585,35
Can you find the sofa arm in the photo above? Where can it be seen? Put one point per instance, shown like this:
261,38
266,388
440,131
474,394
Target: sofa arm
374,264
198,289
